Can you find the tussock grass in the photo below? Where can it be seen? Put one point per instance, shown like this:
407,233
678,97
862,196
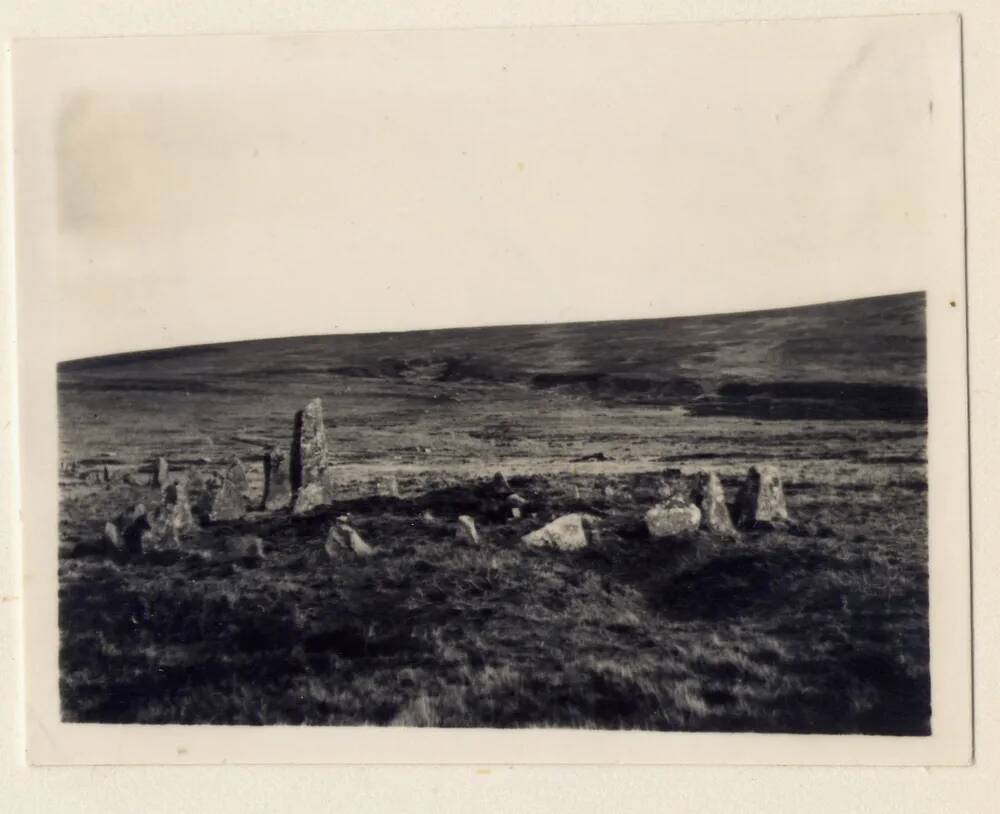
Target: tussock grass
818,628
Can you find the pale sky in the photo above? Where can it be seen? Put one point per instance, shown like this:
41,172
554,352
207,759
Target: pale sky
178,191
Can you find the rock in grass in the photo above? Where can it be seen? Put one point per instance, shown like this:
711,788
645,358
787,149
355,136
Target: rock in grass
335,543
173,518
761,500
500,484
466,530
229,502
664,521
358,545
161,472
517,500
515,513
277,480
566,533
342,537
711,500
111,536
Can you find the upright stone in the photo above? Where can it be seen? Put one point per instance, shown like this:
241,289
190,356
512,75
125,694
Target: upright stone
466,530
309,475
173,517
711,499
761,500
277,481
500,484
111,536
161,472
229,502
309,446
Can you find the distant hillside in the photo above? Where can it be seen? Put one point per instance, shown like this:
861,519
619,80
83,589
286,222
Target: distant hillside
852,359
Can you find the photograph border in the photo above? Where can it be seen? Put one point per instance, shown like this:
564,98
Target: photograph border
52,742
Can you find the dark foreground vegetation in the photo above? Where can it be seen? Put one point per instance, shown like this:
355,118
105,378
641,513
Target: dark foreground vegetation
801,630
818,627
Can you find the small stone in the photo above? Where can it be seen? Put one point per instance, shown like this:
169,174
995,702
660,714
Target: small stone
466,530
517,500
111,534
335,543
229,502
173,518
277,480
500,484
567,533
355,541
711,499
672,521
515,513
761,500
341,537
428,516
161,471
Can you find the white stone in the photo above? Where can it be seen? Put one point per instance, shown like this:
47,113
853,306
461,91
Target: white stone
466,530
567,533
672,521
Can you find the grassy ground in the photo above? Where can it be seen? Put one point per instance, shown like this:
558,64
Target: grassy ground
818,628
808,630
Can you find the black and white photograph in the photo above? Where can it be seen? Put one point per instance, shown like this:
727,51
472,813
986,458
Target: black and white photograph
577,395
713,523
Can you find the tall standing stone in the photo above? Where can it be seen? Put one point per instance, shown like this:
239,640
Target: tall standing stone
761,500
277,480
711,499
309,475
229,502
